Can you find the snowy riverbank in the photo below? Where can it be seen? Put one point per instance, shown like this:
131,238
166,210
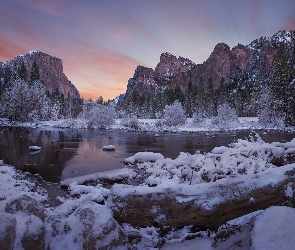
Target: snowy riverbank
243,123
97,212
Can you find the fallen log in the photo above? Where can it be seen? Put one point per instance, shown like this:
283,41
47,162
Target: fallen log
204,205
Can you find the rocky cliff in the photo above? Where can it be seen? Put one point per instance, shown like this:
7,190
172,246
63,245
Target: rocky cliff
251,60
50,71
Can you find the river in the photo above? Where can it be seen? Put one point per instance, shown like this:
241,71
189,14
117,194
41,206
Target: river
73,152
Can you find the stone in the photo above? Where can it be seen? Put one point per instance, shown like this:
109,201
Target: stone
7,231
90,226
208,207
34,236
27,205
236,63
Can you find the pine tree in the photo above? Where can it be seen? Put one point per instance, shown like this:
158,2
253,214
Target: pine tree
281,87
200,96
210,100
22,72
221,91
34,76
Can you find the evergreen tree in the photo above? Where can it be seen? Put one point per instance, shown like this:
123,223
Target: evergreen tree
200,96
210,99
22,72
221,92
281,87
34,76
188,104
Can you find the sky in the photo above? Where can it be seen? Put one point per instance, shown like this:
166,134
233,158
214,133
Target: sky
101,42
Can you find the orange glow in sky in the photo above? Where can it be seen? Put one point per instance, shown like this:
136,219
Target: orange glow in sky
102,42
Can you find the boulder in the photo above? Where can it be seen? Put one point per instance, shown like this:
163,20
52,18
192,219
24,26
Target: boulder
27,205
205,205
34,236
90,226
7,231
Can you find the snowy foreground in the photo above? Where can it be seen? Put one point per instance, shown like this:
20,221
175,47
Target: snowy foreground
247,187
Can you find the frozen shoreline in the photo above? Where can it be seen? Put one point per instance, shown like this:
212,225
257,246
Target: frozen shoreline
55,226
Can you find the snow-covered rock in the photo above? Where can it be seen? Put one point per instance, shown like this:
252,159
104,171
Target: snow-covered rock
144,156
205,204
109,148
90,226
7,230
34,236
34,148
27,205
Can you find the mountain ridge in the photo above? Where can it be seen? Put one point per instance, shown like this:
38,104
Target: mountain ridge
241,56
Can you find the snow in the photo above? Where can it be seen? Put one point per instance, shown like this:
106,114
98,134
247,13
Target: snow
34,148
185,192
144,156
238,159
198,243
274,229
111,175
154,125
109,147
244,162
33,52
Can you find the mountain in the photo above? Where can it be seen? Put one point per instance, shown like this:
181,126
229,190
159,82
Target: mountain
242,69
223,62
50,72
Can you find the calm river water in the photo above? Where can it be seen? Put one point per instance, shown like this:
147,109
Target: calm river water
70,152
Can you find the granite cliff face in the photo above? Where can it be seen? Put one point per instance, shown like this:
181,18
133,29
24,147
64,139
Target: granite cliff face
252,60
50,71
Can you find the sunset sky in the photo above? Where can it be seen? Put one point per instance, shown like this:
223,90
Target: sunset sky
102,41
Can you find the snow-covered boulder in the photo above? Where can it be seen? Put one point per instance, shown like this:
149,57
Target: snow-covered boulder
27,205
34,236
34,148
109,148
274,229
144,156
205,204
89,226
269,229
7,231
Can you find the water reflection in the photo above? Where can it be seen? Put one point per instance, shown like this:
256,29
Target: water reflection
70,152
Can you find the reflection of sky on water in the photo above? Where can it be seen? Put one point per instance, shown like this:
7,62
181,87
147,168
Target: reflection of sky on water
70,152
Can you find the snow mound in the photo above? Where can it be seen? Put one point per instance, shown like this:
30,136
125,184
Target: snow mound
144,156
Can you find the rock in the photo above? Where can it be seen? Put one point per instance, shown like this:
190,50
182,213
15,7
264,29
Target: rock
235,234
238,63
90,226
50,71
209,205
265,229
7,231
34,236
109,148
26,204
170,65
